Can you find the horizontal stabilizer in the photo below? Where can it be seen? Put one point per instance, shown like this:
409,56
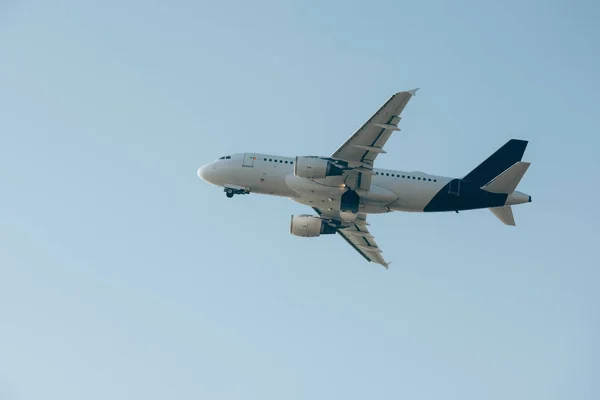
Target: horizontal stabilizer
504,214
508,180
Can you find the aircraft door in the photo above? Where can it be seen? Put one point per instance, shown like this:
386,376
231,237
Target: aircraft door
454,187
248,160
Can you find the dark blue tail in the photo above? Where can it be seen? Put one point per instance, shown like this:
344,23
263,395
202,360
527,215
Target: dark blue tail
498,162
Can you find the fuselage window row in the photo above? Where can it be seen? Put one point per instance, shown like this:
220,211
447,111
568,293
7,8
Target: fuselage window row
404,176
377,173
280,161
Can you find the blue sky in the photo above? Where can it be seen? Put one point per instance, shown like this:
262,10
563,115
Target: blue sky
123,275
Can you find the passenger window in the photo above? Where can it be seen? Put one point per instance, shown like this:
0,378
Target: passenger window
281,161
270,159
419,178
286,162
291,162
435,180
403,176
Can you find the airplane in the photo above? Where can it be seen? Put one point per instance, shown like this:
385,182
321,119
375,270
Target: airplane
345,187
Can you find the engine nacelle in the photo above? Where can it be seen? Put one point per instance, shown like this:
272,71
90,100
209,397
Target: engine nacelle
315,168
310,226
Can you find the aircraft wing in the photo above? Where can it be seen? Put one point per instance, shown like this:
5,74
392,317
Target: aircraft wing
357,235
368,141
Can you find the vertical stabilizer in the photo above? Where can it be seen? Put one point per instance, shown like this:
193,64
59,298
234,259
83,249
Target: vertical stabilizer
501,160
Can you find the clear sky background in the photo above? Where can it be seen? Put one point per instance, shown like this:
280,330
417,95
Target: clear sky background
124,276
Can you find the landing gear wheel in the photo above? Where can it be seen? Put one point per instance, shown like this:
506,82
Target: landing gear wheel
229,193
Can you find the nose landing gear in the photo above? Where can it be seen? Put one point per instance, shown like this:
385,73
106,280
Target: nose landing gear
230,191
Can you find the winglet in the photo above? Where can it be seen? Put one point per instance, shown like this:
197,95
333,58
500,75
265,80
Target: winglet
413,92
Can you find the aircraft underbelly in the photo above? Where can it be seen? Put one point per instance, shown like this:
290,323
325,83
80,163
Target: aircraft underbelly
316,194
325,203
404,197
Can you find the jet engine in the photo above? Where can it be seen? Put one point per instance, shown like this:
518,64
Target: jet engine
310,226
315,168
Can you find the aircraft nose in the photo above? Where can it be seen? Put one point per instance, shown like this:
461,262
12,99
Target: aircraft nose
203,172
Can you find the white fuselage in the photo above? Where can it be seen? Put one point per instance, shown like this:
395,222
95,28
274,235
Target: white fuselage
391,190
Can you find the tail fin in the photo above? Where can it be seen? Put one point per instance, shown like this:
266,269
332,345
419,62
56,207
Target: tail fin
501,160
504,214
508,180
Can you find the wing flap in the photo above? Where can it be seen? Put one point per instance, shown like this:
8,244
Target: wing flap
390,127
360,238
357,235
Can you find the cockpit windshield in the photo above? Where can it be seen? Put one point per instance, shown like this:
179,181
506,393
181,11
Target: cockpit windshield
225,158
